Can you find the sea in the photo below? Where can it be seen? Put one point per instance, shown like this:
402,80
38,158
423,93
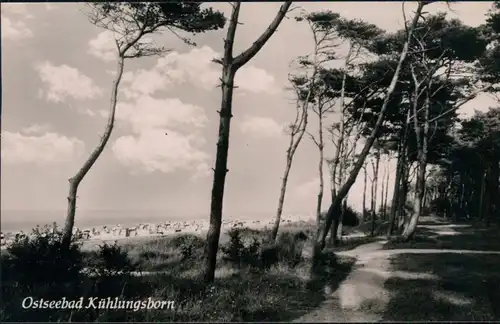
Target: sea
26,220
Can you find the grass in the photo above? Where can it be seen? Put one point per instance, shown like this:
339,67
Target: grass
239,293
466,288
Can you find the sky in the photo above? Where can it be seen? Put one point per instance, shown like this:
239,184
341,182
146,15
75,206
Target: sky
57,71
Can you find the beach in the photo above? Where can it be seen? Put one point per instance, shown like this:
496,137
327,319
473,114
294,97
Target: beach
91,238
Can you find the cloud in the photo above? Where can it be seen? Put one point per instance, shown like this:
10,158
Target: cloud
14,30
148,112
261,126
160,141
64,82
202,170
103,46
16,9
256,80
13,23
36,129
153,151
195,67
50,147
144,82
14,27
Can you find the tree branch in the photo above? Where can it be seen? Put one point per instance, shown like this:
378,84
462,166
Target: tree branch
247,55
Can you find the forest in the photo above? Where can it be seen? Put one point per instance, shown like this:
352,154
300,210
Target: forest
394,96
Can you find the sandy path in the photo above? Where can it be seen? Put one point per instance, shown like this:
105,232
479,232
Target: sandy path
361,297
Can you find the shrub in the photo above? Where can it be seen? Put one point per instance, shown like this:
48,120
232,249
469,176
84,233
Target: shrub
269,255
111,260
40,258
188,245
187,239
290,246
39,266
235,251
351,217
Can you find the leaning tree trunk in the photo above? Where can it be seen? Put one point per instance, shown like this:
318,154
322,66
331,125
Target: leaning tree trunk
334,208
230,66
301,122
281,199
75,181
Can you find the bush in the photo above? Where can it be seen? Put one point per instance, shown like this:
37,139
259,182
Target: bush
235,251
38,266
290,246
187,239
111,260
351,217
188,245
40,258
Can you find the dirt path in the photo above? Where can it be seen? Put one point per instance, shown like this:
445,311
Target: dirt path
361,297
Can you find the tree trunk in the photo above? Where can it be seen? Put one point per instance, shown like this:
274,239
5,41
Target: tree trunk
419,195
397,181
281,199
320,167
403,196
481,196
301,123
75,181
422,164
333,210
230,67
220,172
341,220
386,188
364,192
372,191
375,190
382,194
494,183
424,199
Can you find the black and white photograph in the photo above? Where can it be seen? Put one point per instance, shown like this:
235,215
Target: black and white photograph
253,161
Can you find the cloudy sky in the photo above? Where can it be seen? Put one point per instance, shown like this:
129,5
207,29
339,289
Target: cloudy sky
57,71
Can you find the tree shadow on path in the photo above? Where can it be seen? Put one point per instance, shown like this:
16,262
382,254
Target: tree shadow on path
466,288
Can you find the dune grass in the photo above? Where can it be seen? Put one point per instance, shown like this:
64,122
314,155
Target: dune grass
241,292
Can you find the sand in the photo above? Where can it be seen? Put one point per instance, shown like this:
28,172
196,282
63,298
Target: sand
173,228
93,237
